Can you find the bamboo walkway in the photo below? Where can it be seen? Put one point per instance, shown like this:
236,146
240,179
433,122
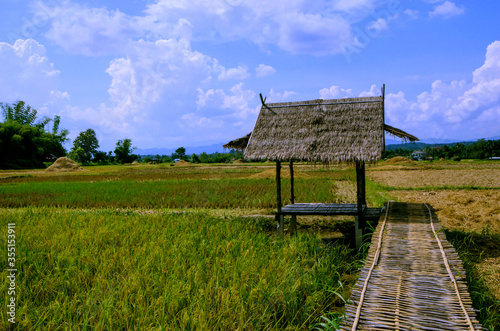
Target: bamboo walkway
413,279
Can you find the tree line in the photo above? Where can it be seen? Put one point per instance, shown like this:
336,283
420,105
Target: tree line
480,150
27,142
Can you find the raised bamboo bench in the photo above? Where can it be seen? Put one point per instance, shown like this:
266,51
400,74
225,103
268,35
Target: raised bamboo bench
330,209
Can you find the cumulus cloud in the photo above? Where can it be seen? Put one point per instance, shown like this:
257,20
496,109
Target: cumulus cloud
90,31
378,25
456,108
374,91
446,10
26,68
279,97
238,73
264,70
335,92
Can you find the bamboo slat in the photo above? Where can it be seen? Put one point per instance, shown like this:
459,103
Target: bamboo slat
412,279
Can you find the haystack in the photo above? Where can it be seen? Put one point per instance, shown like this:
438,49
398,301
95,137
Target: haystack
63,164
182,163
135,163
399,160
285,173
239,161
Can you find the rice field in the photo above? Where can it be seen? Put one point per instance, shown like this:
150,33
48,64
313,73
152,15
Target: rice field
169,248
156,247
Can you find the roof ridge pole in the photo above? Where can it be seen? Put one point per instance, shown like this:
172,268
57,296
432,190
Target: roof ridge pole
263,101
383,117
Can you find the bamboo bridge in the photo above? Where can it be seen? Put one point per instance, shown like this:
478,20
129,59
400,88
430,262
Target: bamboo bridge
413,279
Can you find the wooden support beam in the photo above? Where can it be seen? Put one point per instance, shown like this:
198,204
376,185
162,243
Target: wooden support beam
293,218
361,196
279,216
383,117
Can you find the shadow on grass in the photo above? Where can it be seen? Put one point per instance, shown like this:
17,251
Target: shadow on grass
473,248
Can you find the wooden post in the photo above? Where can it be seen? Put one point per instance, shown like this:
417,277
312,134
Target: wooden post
293,218
361,196
279,216
383,116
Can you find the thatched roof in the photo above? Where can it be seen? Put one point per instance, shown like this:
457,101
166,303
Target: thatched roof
400,133
238,144
340,130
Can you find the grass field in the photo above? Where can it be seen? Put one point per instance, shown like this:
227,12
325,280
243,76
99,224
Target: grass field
189,248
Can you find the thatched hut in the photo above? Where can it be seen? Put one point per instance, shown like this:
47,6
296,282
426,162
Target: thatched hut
340,130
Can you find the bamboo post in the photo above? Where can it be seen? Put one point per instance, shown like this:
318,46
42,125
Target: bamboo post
293,218
361,196
279,216
383,117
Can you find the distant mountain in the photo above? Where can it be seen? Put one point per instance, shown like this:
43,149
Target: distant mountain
210,149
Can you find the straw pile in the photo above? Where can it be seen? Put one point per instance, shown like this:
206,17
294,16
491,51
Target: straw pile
399,160
63,164
182,163
285,173
239,161
135,163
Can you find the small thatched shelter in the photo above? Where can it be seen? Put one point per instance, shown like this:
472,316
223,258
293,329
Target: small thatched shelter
340,130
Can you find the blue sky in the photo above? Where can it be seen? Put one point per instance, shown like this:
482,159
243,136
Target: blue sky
171,73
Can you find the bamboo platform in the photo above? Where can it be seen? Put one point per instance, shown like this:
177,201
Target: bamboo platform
413,279
329,209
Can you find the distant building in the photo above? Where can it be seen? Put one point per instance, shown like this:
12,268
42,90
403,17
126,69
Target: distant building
418,155
494,158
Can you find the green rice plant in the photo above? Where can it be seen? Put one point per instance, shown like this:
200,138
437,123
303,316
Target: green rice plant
195,193
112,270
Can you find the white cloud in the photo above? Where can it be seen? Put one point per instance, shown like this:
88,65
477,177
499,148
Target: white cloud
264,70
446,10
374,91
238,73
297,26
456,109
90,31
378,25
279,97
411,13
335,92
27,74
486,88
315,34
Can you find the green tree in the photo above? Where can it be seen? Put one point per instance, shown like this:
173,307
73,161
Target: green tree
180,153
194,158
24,142
88,143
123,151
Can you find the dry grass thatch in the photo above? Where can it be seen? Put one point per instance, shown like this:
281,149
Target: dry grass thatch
238,144
63,164
400,133
341,130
